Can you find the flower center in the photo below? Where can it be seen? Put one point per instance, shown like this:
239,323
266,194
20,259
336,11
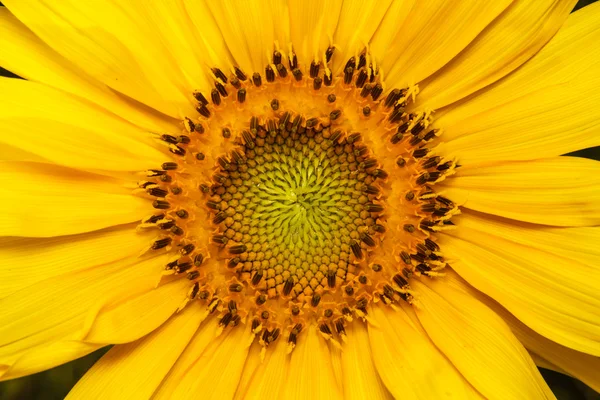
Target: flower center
300,199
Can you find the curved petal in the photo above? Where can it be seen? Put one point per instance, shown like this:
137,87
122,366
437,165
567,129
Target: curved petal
117,374
505,44
548,107
69,131
560,191
216,373
579,244
32,260
544,352
408,362
48,200
434,32
555,296
359,375
478,343
311,369
204,337
51,313
250,32
26,55
111,44
266,378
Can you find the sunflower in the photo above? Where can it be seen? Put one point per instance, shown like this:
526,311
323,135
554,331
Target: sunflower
311,199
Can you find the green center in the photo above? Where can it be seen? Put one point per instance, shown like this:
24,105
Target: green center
297,206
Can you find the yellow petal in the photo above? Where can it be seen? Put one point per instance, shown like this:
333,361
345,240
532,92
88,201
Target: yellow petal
548,107
48,200
560,191
215,375
506,43
360,379
357,23
579,365
250,31
408,362
118,49
310,371
45,357
434,32
135,370
69,131
479,344
544,352
312,26
31,260
205,336
555,296
269,378
26,55
54,310
579,244
134,314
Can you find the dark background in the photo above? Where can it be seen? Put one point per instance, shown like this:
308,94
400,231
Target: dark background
56,383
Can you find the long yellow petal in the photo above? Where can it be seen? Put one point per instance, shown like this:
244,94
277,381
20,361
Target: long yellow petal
133,316
204,337
434,32
215,375
579,244
26,55
53,311
554,296
268,379
31,260
135,370
118,49
545,353
548,107
48,200
359,376
69,131
479,344
559,191
310,371
408,362
505,44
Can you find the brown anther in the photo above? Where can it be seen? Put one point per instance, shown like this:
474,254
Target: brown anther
235,321
238,249
366,111
372,207
331,98
232,263
176,231
350,290
226,319
264,314
405,257
166,178
376,267
181,268
275,104
276,57
287,286
256,278
315,300
221,89
161,204
293,61
401,162
356,249
200,156
261,299
297,74
161,243
235,288
157,192
376,91
220,217
256,79
361,78
328,313
235,82
367,239
204,295
220,239
348,72
176,190
331,279
241,95
329,53
327,79
281,70
200,97
325,329
204,111
420,153
410,228
335,114
269,73
317,83
198,259
215,97
166,225
392,97
219,74
379,228
379,173
255,324
410,196
226,132
169,166
195,289
177,150
314,69
187,249
400,281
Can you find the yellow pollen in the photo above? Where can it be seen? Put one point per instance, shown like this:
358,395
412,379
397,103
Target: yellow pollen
296,197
